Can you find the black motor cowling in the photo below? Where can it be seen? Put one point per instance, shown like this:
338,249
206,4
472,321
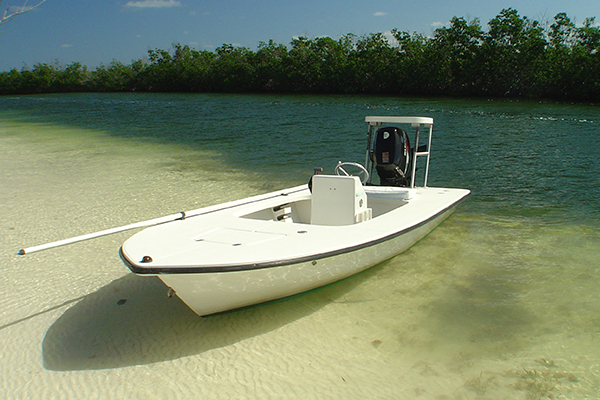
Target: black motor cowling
392,156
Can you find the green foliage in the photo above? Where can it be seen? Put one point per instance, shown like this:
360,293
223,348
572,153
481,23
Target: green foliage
232,70
513,52
44,78
114,78
514,57
459,44
270,67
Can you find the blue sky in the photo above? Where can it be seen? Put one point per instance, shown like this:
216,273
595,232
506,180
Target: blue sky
97,31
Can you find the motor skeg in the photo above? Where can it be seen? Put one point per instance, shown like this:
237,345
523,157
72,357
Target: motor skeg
392,156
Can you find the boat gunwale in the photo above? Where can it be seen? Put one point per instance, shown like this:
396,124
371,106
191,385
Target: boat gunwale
278,263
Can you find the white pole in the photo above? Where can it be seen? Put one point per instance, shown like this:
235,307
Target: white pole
160,220
105,232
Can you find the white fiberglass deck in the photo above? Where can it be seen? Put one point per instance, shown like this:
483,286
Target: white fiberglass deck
251,236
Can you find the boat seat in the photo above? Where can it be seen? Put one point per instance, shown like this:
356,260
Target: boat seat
338,200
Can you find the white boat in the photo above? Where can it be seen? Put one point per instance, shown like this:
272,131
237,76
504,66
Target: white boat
293,240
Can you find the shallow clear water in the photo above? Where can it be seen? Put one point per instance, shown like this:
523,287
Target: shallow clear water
501,301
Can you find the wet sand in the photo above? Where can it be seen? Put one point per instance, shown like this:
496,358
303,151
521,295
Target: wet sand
438,322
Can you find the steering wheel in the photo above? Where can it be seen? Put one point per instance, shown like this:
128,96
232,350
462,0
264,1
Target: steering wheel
361,170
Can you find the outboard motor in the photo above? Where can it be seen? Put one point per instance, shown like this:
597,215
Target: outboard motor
392,156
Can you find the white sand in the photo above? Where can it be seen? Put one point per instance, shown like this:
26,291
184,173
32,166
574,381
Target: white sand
429,324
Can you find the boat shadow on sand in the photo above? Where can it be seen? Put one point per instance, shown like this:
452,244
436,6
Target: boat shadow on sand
131,321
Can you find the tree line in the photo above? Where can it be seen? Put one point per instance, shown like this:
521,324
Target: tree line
514,57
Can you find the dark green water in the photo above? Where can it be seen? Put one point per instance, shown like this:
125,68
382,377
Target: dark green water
533,159
502,300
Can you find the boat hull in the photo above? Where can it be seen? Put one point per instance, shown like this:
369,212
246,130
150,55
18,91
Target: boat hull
213,292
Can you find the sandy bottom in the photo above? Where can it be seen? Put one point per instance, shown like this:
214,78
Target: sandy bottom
482,308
